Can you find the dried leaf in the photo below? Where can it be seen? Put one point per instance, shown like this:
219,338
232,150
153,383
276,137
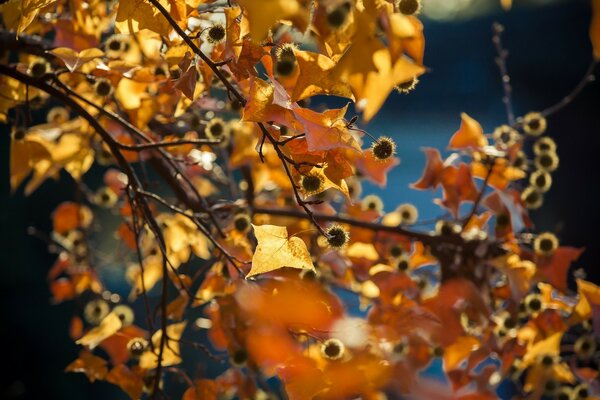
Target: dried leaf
469,135
93,366
73,60
130,381
108,327
276,250
171,354
595,28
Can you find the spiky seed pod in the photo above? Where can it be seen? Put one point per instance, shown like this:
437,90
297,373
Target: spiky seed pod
547,161
409,7
547,360
311,183
544,145
18,133
384,148
403,263
585,347
396,251
125,314
239,358
215,34
581,392
505,136
337,16
545,244
446,228
372,203
564,393
520,161
337,237
105,197
285,60
39,68
533,303
409,213
57,115
137,346
216,129
95,311
103,87
332,349
407,86
532,198
541,180
241,223
534,124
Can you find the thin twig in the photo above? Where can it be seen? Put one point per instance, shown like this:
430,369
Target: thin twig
504,76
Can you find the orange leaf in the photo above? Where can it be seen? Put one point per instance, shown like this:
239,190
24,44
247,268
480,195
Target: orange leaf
595,28
204,389
433,169
554,268
326,130
375,169
469,135
130,381
458,351
92,366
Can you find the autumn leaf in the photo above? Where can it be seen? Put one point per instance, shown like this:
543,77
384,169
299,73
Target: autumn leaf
315,77
108,327
136,15
469,135
374,169
19,14
595,28
326,130
276,250
458,351
203,389
264,14
554,268
73,60
433,169
129,380
94,367
171,354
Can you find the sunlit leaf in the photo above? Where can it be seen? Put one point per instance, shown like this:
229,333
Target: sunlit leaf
276,250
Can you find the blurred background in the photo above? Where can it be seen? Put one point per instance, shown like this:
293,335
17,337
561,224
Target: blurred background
549,53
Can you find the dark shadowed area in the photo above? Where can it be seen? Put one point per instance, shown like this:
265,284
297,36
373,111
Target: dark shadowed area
549,53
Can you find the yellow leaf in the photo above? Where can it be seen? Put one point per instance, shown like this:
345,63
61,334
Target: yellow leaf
326,182
506,4
24,154
595,28
19,14
275,250
171,354
315,77
73,60
263,14
135,15
371,90
108,327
